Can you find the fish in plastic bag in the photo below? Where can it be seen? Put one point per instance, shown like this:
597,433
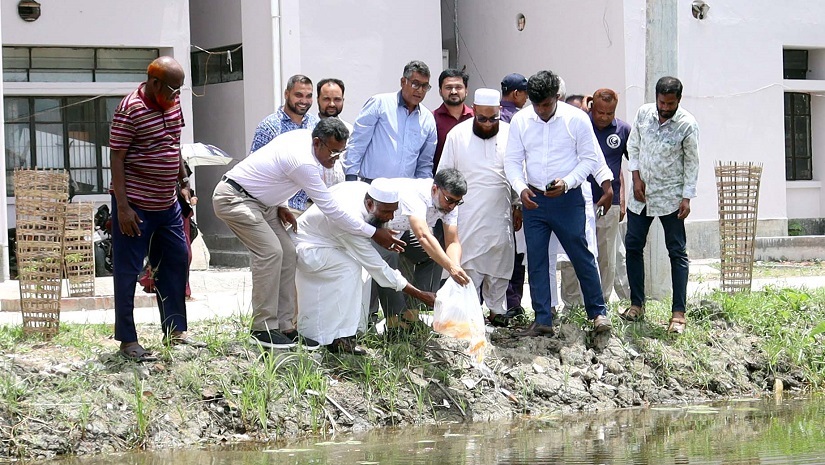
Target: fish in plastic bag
458,314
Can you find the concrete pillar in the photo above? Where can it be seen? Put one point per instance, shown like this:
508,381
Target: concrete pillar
661,45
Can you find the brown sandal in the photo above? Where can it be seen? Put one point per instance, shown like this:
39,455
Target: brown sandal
677,325
135,352
633,313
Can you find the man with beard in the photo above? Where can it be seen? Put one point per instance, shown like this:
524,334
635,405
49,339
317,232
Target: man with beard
394,136
422,202
290,116
490,213
330,105
663,148
328,275
331,99
146,170
250,199
452,85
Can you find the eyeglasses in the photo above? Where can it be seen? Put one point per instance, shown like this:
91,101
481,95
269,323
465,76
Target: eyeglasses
420,85
172,91
484,119
450,201
333,154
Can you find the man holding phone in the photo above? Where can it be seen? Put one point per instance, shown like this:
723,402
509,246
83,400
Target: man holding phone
552,144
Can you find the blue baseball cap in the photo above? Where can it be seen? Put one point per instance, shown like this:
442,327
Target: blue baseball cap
513,81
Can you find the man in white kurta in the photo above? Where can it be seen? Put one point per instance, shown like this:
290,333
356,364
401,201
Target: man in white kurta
330,258
476,148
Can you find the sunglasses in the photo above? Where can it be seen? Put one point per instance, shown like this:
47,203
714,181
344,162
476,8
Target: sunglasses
450,201
484,119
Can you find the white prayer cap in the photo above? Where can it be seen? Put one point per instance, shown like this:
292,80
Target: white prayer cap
487,97
383,190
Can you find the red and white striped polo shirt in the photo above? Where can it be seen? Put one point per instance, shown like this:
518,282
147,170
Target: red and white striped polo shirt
151,138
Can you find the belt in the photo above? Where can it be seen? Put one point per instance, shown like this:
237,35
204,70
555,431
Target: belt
237,187
535,189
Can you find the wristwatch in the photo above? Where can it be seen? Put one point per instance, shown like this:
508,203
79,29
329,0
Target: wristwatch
184,181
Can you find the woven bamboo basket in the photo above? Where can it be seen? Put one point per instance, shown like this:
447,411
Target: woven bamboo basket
737,186
78,249
41,198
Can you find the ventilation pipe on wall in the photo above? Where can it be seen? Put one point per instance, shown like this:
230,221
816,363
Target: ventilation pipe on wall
275,10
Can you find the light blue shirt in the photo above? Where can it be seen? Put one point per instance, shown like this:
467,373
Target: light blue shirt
389,142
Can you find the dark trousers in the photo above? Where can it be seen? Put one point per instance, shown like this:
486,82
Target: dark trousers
419,269
563,215
676,242
162,238
515,289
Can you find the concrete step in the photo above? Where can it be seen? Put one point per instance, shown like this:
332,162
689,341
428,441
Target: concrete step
72,304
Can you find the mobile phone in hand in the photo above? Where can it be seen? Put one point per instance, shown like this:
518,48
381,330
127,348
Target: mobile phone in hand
550,185
600,211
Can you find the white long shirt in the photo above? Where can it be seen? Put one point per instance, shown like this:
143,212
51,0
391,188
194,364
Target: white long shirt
485,220
317,230
563,147
287,164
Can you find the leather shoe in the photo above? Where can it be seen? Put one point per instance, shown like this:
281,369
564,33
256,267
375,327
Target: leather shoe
535,329
346,345
601,324
514,312
498,320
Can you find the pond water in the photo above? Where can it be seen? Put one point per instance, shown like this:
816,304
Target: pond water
746,431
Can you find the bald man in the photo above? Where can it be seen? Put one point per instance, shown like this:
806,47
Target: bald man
147,170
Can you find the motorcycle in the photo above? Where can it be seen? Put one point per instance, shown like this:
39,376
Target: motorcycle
103,241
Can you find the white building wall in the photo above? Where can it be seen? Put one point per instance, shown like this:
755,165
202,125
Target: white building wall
162,24
582,41
365,43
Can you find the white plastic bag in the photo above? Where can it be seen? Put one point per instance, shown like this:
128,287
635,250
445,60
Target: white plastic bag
458,314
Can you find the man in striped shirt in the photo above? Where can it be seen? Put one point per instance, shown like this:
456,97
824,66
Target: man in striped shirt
146,170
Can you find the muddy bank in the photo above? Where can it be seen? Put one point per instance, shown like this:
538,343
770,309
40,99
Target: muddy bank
74,395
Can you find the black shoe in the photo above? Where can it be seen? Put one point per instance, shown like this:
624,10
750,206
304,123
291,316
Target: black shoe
498,320
307,343
514,312
536,329
271,339
346,345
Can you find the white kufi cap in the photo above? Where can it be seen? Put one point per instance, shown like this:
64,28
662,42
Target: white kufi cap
487,97
383,190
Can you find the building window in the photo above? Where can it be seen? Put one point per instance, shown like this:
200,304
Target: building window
213,66
798,157
69,133
795,64
66,64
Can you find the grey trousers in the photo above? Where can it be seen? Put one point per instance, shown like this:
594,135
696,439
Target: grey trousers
272,256
419,269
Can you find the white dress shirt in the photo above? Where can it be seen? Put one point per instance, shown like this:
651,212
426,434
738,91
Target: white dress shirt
563,147
279,169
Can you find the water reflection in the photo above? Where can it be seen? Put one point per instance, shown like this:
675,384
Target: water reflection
736,432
